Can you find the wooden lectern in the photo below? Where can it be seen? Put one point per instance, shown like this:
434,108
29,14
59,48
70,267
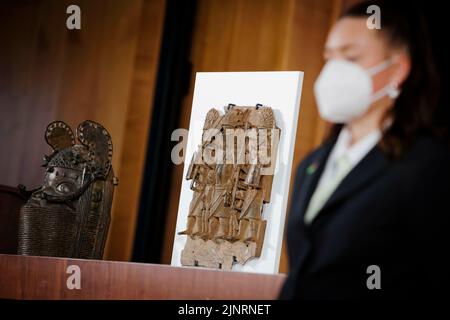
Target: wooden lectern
27,277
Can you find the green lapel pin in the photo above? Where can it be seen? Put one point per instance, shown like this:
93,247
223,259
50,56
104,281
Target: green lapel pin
311,168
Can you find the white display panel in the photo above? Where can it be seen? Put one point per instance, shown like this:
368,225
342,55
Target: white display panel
282,92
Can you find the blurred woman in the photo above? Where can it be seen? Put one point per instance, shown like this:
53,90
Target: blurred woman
370,210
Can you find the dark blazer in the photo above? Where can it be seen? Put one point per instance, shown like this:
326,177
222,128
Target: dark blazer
390,213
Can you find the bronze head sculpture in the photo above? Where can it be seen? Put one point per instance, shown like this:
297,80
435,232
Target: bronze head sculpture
69,215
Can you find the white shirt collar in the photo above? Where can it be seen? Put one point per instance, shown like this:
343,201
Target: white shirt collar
353,155
358,150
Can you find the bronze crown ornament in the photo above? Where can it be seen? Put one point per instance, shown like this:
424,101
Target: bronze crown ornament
69,215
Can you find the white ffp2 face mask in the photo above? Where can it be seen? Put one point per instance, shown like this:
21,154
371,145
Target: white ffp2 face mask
343,90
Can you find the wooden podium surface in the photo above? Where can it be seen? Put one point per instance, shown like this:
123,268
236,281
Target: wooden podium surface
26,277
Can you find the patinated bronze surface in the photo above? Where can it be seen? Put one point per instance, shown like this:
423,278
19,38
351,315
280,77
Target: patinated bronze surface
225,220
69,215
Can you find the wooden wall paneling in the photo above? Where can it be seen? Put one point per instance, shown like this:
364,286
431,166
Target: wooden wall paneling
30,77
99,67
137,124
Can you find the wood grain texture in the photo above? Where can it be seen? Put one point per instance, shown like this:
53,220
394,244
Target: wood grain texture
136,129
260,35
23,277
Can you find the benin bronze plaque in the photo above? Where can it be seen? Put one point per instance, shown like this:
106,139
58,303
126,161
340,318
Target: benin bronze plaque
230,183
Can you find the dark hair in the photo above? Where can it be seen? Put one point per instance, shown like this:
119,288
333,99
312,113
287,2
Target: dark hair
404,25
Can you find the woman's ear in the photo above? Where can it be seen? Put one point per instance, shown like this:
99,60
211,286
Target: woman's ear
402,62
